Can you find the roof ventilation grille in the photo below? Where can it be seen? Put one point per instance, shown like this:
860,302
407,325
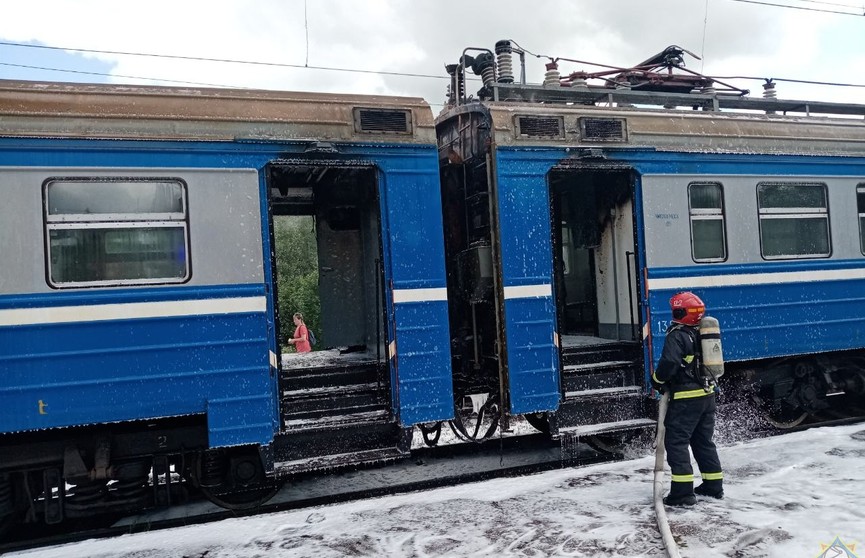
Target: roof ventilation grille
603,129
382,121
549,127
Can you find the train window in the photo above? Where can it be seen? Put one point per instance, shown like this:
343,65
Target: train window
860,204
112,232
706,210
794,220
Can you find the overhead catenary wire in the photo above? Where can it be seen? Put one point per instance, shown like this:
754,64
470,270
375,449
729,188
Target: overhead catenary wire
328,68
835,4
223,60
103,74
791,80
164,80
788,6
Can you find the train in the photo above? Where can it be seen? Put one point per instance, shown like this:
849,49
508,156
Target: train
510,258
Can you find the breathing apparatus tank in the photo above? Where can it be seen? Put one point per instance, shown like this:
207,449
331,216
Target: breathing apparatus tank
712,366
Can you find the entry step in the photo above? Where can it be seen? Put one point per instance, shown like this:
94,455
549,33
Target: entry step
381,455
606,427
334,421
605,393
597,366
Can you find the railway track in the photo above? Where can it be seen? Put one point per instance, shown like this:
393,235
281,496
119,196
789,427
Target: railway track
427,468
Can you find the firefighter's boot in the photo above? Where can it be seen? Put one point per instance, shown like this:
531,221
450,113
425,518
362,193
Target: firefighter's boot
681,494
711,488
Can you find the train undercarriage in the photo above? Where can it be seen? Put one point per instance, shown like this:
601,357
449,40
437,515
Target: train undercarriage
92,473
794,390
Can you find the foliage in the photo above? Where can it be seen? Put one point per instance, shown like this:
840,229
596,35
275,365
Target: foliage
297,275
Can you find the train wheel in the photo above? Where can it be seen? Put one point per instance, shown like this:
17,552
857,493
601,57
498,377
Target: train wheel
539,421
781,416
245,499
476,417
431,434
785,419
234,481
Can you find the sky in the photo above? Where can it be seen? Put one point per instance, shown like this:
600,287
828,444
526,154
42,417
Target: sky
787,496
733,38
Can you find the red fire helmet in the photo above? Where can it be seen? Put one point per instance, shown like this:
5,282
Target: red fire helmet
687,308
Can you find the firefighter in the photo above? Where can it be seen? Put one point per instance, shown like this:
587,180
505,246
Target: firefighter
690,419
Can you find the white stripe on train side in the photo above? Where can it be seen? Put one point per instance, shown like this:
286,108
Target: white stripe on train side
755,279
420,295
132,310
529,291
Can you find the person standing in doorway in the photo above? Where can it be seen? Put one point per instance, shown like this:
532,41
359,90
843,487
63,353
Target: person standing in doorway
690,419
300,339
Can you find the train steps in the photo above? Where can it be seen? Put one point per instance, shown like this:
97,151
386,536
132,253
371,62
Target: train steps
330,376
330,401
335,415
602,385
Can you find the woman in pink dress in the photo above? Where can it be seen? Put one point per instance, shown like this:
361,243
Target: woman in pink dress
300,339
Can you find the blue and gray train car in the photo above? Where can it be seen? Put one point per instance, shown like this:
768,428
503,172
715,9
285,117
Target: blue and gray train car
138,322
578,211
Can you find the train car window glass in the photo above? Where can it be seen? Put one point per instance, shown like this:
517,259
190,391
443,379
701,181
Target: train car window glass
92,201
116,232
794,220
860,204
706,211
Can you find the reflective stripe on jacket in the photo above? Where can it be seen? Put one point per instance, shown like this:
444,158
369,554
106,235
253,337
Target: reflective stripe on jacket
677,367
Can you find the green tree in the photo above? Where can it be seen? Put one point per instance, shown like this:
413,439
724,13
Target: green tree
297,274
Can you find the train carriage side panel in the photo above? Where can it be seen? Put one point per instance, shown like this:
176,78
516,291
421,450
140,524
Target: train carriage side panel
226,132
768,307
86,354
530,312
414,240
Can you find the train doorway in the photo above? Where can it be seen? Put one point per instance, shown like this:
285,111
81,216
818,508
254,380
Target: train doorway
596,298
333,259
593,253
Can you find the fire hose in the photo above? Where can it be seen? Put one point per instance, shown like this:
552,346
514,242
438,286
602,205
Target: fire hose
660,511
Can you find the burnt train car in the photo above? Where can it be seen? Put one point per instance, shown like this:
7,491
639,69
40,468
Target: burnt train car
138,322
574,212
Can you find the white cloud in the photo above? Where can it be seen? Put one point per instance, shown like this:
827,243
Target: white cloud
414,36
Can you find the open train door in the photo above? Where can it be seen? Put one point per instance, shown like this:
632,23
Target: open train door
566,241
381,286
597,300
594,243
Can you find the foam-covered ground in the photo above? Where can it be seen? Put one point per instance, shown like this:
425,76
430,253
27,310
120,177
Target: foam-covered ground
786,496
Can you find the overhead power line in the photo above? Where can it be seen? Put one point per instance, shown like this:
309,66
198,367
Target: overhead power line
184,82
223,60
835,4
788,6
102,74
791,80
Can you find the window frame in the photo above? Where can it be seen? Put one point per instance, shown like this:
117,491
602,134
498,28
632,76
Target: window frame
794,213
702,214
860,191
115,222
